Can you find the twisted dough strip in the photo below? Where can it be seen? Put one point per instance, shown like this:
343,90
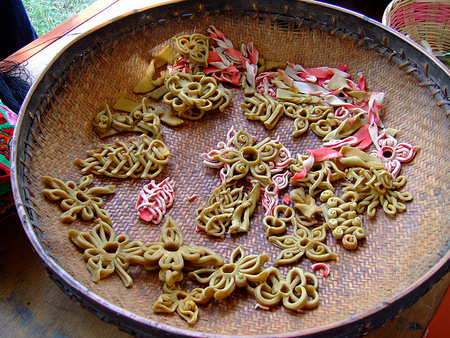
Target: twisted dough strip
263,108
144,158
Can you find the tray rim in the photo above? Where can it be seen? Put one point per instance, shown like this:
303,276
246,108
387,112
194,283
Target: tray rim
132,323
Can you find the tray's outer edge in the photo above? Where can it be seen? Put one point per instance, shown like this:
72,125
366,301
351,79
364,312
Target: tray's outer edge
376,35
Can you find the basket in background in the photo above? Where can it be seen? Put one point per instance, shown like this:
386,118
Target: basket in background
426,22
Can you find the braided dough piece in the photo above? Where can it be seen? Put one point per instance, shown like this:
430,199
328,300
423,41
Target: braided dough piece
141,158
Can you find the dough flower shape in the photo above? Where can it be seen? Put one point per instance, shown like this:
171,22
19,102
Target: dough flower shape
240,271
195,47
78,199
302,242
377,187
392,153
297,291
174,299
190,96
240,158
105,252
170,255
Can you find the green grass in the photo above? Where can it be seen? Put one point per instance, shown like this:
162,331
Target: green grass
47,14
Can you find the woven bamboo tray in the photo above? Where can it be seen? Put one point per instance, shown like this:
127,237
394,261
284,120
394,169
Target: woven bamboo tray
403,255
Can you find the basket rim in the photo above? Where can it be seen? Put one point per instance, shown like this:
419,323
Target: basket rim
137,322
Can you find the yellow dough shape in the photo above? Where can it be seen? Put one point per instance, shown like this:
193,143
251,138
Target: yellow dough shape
105,252
190,96
170,255
377,187
140,158
242,270
142,118
320,176
342,218
227,204
297,291
305,203
194,46
174,299
149,83
250,160
303,241
78,199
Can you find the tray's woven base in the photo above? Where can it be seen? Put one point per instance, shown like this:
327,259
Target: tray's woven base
398,249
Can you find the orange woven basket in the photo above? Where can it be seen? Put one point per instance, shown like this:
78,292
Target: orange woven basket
422,20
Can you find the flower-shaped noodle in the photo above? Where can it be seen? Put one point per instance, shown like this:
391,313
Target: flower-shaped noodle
170,255
105,252
393,153
193,95
377,187
256,161
297,291
78,199
194,46
302,242
240,271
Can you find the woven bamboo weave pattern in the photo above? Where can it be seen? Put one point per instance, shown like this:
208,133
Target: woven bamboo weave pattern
397,251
